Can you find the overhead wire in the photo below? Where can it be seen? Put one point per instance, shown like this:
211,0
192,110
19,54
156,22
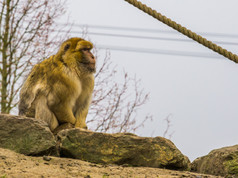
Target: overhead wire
151,37
146,30
146,50
158,51
144,37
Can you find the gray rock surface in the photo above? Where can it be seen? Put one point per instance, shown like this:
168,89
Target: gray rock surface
222,162
26,135
33,137
127,149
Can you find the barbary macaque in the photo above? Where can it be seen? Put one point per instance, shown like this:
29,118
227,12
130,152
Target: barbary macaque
59,89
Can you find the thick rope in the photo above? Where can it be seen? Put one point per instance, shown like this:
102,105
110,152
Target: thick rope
184,30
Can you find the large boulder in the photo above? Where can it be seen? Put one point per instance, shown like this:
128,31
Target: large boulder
223,162
127,149
26,135
33,137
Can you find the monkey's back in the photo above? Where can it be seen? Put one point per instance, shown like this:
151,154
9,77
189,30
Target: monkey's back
40,81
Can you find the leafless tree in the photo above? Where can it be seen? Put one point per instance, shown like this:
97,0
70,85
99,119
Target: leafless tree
26,36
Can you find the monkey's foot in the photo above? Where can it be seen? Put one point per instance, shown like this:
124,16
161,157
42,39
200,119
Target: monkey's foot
62,127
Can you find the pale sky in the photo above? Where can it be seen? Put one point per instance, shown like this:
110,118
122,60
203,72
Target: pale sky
200,93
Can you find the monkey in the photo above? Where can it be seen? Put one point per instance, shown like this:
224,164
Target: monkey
59,89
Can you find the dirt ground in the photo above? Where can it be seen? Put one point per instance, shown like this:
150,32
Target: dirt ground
14,165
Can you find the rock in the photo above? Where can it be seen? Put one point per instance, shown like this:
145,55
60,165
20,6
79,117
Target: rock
33,137
121,149
26,135
223,162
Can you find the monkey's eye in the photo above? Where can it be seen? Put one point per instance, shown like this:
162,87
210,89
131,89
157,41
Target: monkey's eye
85,49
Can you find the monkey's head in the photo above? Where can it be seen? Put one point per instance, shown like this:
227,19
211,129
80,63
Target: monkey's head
76,51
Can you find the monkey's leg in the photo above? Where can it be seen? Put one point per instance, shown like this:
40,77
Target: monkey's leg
61,109
81,118
63,114
43,112
27,97
26,100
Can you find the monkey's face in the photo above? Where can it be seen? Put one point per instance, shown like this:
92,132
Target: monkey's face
77,50
88,59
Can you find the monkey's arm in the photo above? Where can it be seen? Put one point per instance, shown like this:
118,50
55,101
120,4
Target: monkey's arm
83,104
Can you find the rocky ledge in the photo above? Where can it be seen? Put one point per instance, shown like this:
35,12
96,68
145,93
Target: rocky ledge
32,137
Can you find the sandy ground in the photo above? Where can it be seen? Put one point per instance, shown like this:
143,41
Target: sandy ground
13,165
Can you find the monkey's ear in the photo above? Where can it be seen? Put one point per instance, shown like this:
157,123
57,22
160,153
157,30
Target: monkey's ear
66,47
63,48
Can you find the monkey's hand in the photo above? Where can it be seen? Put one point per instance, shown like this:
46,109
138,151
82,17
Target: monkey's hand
81,119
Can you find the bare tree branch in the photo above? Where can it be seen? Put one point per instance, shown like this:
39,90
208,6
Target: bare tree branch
115,104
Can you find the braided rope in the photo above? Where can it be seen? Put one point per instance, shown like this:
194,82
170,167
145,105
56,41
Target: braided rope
184,30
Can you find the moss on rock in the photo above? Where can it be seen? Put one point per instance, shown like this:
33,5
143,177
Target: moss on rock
220,162
121,149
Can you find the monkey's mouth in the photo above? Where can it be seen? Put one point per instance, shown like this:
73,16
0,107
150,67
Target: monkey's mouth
89,64
92,65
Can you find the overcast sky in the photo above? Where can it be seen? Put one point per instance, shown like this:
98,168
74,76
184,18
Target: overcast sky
197,88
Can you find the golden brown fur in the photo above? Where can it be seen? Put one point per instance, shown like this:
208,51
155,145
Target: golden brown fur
59,89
